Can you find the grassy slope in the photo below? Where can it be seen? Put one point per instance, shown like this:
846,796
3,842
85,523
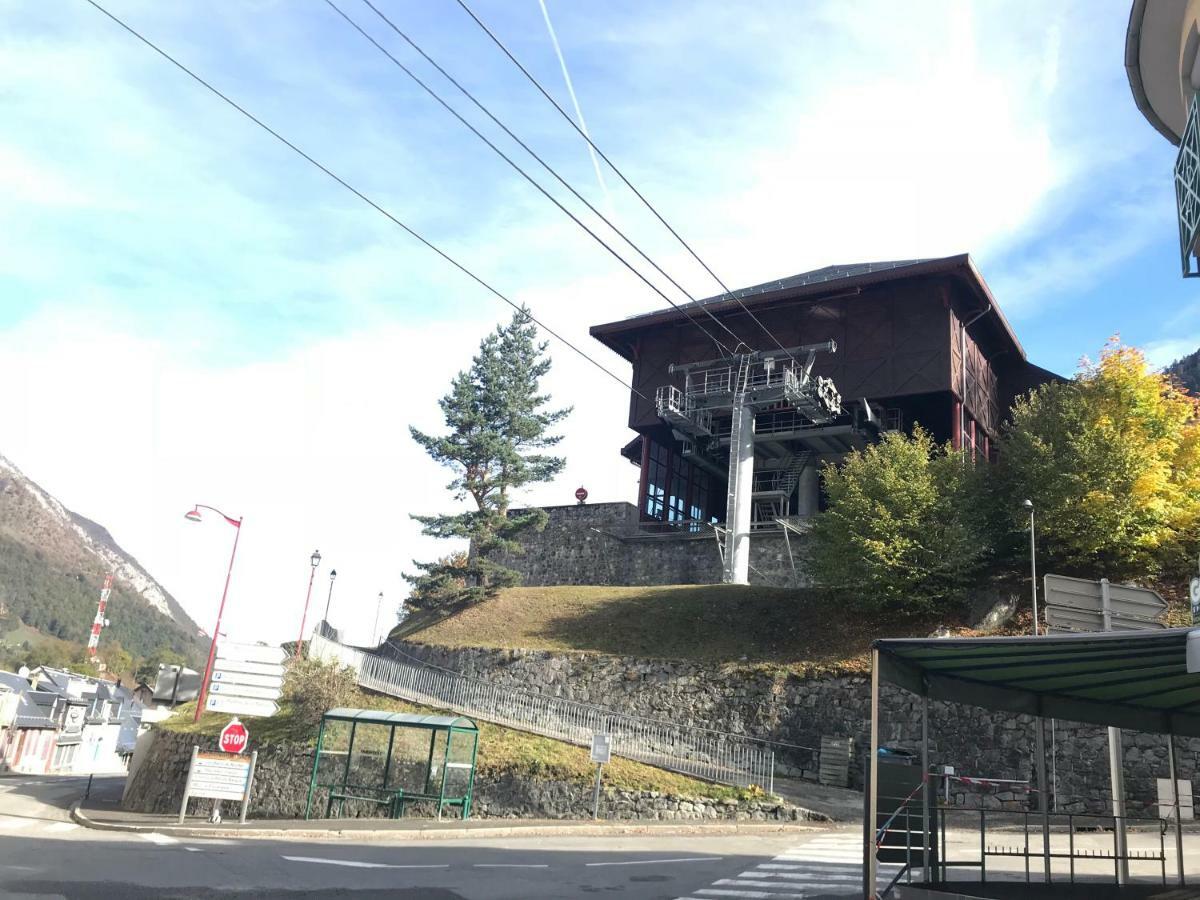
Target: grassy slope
501,751
711,623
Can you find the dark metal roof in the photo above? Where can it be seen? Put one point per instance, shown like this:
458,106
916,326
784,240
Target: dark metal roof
813,285
1135,680
409,720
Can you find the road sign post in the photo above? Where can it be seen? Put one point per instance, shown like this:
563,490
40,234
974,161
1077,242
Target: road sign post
219,776
601,754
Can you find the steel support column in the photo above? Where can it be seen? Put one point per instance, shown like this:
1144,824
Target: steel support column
926,789
808,496
870,866
741,487
1116,768
1043,791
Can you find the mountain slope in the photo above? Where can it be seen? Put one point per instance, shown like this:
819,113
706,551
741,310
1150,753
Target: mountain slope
1187,370
53,563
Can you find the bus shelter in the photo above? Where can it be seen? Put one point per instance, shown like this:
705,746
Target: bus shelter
1145,681
371,762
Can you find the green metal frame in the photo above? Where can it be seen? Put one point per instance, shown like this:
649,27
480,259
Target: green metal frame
1187,191
396,798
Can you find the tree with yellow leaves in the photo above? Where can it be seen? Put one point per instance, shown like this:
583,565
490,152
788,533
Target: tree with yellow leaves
1111,459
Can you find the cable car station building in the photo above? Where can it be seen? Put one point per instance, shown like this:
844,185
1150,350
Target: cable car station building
729,445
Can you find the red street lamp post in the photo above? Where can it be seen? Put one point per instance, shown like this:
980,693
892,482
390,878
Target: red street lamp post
314,561
194,516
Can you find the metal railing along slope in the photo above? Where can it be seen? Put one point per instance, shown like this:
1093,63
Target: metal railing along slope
711,755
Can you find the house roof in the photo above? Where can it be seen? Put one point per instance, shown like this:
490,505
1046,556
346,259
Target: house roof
33,707
814,284
1137,680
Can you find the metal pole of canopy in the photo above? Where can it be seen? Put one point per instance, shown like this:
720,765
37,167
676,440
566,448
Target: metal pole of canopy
869,864
1043,793
925,788
1178,807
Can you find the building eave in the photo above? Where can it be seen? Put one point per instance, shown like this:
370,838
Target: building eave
613,334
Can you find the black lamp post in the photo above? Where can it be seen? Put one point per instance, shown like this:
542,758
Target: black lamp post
329,598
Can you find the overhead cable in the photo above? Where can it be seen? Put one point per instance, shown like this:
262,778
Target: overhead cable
516,167
583,134
361,196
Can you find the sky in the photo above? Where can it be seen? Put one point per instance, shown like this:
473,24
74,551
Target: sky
191,313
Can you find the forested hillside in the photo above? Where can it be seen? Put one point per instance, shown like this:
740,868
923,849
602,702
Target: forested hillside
1187,370
52,566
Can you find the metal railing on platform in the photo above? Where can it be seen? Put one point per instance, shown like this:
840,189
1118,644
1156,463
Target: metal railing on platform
711,755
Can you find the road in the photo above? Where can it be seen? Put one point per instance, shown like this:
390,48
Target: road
43,854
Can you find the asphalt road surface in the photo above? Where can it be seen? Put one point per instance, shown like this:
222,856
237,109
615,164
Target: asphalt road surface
43,854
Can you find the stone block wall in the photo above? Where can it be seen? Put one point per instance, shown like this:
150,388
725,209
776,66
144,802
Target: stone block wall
600,543
792,709
282,777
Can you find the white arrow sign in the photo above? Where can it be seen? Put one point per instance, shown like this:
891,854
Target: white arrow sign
267,681
229,689
251,668
251,653
241,706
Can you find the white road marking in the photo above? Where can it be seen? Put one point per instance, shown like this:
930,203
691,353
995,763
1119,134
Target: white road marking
765,895
155,838
62,826
194,849
14,824
804,876
511,866
650,862
354,864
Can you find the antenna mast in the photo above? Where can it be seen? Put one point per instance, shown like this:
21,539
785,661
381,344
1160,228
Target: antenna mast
99,622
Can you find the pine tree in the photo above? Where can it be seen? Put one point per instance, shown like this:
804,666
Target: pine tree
497,425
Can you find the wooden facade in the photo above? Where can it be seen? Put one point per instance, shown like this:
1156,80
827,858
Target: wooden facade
899,330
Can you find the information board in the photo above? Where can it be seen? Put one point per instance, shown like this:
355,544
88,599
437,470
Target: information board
220,776
601,748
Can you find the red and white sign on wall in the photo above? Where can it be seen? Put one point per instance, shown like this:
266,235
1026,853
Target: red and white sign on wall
234,737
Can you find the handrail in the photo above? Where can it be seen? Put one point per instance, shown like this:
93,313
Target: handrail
713,756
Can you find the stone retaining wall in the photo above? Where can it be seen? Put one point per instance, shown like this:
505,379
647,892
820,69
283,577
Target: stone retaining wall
282,778
600,543
789,708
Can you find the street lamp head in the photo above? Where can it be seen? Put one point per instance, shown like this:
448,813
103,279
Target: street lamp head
316,558
1028,504
192,515
332,574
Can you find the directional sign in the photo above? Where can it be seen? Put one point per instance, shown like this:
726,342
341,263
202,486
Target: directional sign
252,653
232,689
1194,593
1076,604
1064,619
267,681
219,776
250,668
1124,599
240,706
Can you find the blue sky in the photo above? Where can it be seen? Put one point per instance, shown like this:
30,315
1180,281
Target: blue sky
190,312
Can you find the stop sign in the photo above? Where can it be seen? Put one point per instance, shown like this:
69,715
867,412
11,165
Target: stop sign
581,494
234,737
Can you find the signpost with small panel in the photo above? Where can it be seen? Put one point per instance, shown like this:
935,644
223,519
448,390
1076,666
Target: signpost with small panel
601,754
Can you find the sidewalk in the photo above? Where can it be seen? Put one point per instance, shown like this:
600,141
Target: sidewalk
108,816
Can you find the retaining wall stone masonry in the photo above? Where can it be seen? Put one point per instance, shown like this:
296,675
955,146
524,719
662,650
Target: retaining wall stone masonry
282,777
790,708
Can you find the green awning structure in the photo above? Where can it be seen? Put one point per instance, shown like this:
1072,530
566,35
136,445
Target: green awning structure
1135,680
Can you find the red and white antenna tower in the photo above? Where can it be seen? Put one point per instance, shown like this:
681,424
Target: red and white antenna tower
99,622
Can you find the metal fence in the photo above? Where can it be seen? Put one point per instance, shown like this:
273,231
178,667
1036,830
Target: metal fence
711,755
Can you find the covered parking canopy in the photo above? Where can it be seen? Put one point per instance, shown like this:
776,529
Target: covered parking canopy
1135,680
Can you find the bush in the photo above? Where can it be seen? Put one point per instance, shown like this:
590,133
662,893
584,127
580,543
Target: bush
312,688
902,530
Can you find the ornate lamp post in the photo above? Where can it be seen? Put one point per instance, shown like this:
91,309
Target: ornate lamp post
314,561
193,515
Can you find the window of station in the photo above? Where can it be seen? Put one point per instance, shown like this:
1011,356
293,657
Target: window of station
676,490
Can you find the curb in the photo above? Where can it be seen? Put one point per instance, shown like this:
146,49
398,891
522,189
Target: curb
498,831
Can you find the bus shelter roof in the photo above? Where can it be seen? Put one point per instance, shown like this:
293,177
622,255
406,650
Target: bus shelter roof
403,720
1134,679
